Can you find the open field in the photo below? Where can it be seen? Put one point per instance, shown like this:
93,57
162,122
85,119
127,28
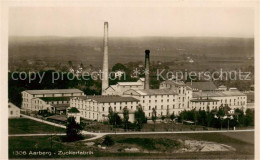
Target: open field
88,50
24,125
158,146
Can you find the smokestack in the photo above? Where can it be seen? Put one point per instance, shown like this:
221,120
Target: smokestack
147,64
105,59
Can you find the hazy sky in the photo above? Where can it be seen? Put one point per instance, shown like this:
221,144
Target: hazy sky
228,22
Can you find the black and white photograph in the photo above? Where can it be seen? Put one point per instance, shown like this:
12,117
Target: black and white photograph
121,80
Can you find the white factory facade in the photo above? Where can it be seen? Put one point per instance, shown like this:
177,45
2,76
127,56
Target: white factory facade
97,107
31,101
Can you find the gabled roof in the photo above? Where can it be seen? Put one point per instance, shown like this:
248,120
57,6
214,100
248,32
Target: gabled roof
113,87
217,94
12,105
129,83
109,98
174,82
53,91
204,86
142,79
154,92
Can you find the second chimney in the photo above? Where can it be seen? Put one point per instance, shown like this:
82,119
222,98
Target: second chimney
147,64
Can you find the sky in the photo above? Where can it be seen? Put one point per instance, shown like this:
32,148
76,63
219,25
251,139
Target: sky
132,21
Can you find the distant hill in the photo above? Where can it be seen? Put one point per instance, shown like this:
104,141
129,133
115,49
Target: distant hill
88,50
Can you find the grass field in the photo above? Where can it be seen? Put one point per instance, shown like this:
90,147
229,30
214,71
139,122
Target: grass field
152,146
24,125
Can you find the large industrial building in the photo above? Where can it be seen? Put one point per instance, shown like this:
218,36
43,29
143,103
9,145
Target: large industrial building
30,104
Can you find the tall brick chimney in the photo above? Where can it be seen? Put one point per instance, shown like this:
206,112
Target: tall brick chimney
147,64
105,80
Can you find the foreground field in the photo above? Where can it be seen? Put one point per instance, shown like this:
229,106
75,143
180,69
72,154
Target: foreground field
24,125
138,146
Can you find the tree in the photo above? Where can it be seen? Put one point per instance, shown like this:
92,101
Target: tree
163,118
70,63
240,116
114,118
140,118
249,118
119,66
154,117
172,116
126,117
108,141
111,116
117,120
73,130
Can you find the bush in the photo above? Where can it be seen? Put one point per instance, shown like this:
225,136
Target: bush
108,141
73,131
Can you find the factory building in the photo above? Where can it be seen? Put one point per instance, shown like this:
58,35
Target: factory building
56,105
121,87
164,101
28,95
234,99
97,107
184,92
202,86
13,111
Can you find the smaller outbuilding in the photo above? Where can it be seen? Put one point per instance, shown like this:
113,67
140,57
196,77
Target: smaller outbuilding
13,111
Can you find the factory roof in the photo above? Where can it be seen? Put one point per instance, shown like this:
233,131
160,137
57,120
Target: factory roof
130,83
109,98
142,79
204,86
174,82
217,94
60,107
48,99
53,91
156,92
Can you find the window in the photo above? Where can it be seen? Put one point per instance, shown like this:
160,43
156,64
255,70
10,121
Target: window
11,112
